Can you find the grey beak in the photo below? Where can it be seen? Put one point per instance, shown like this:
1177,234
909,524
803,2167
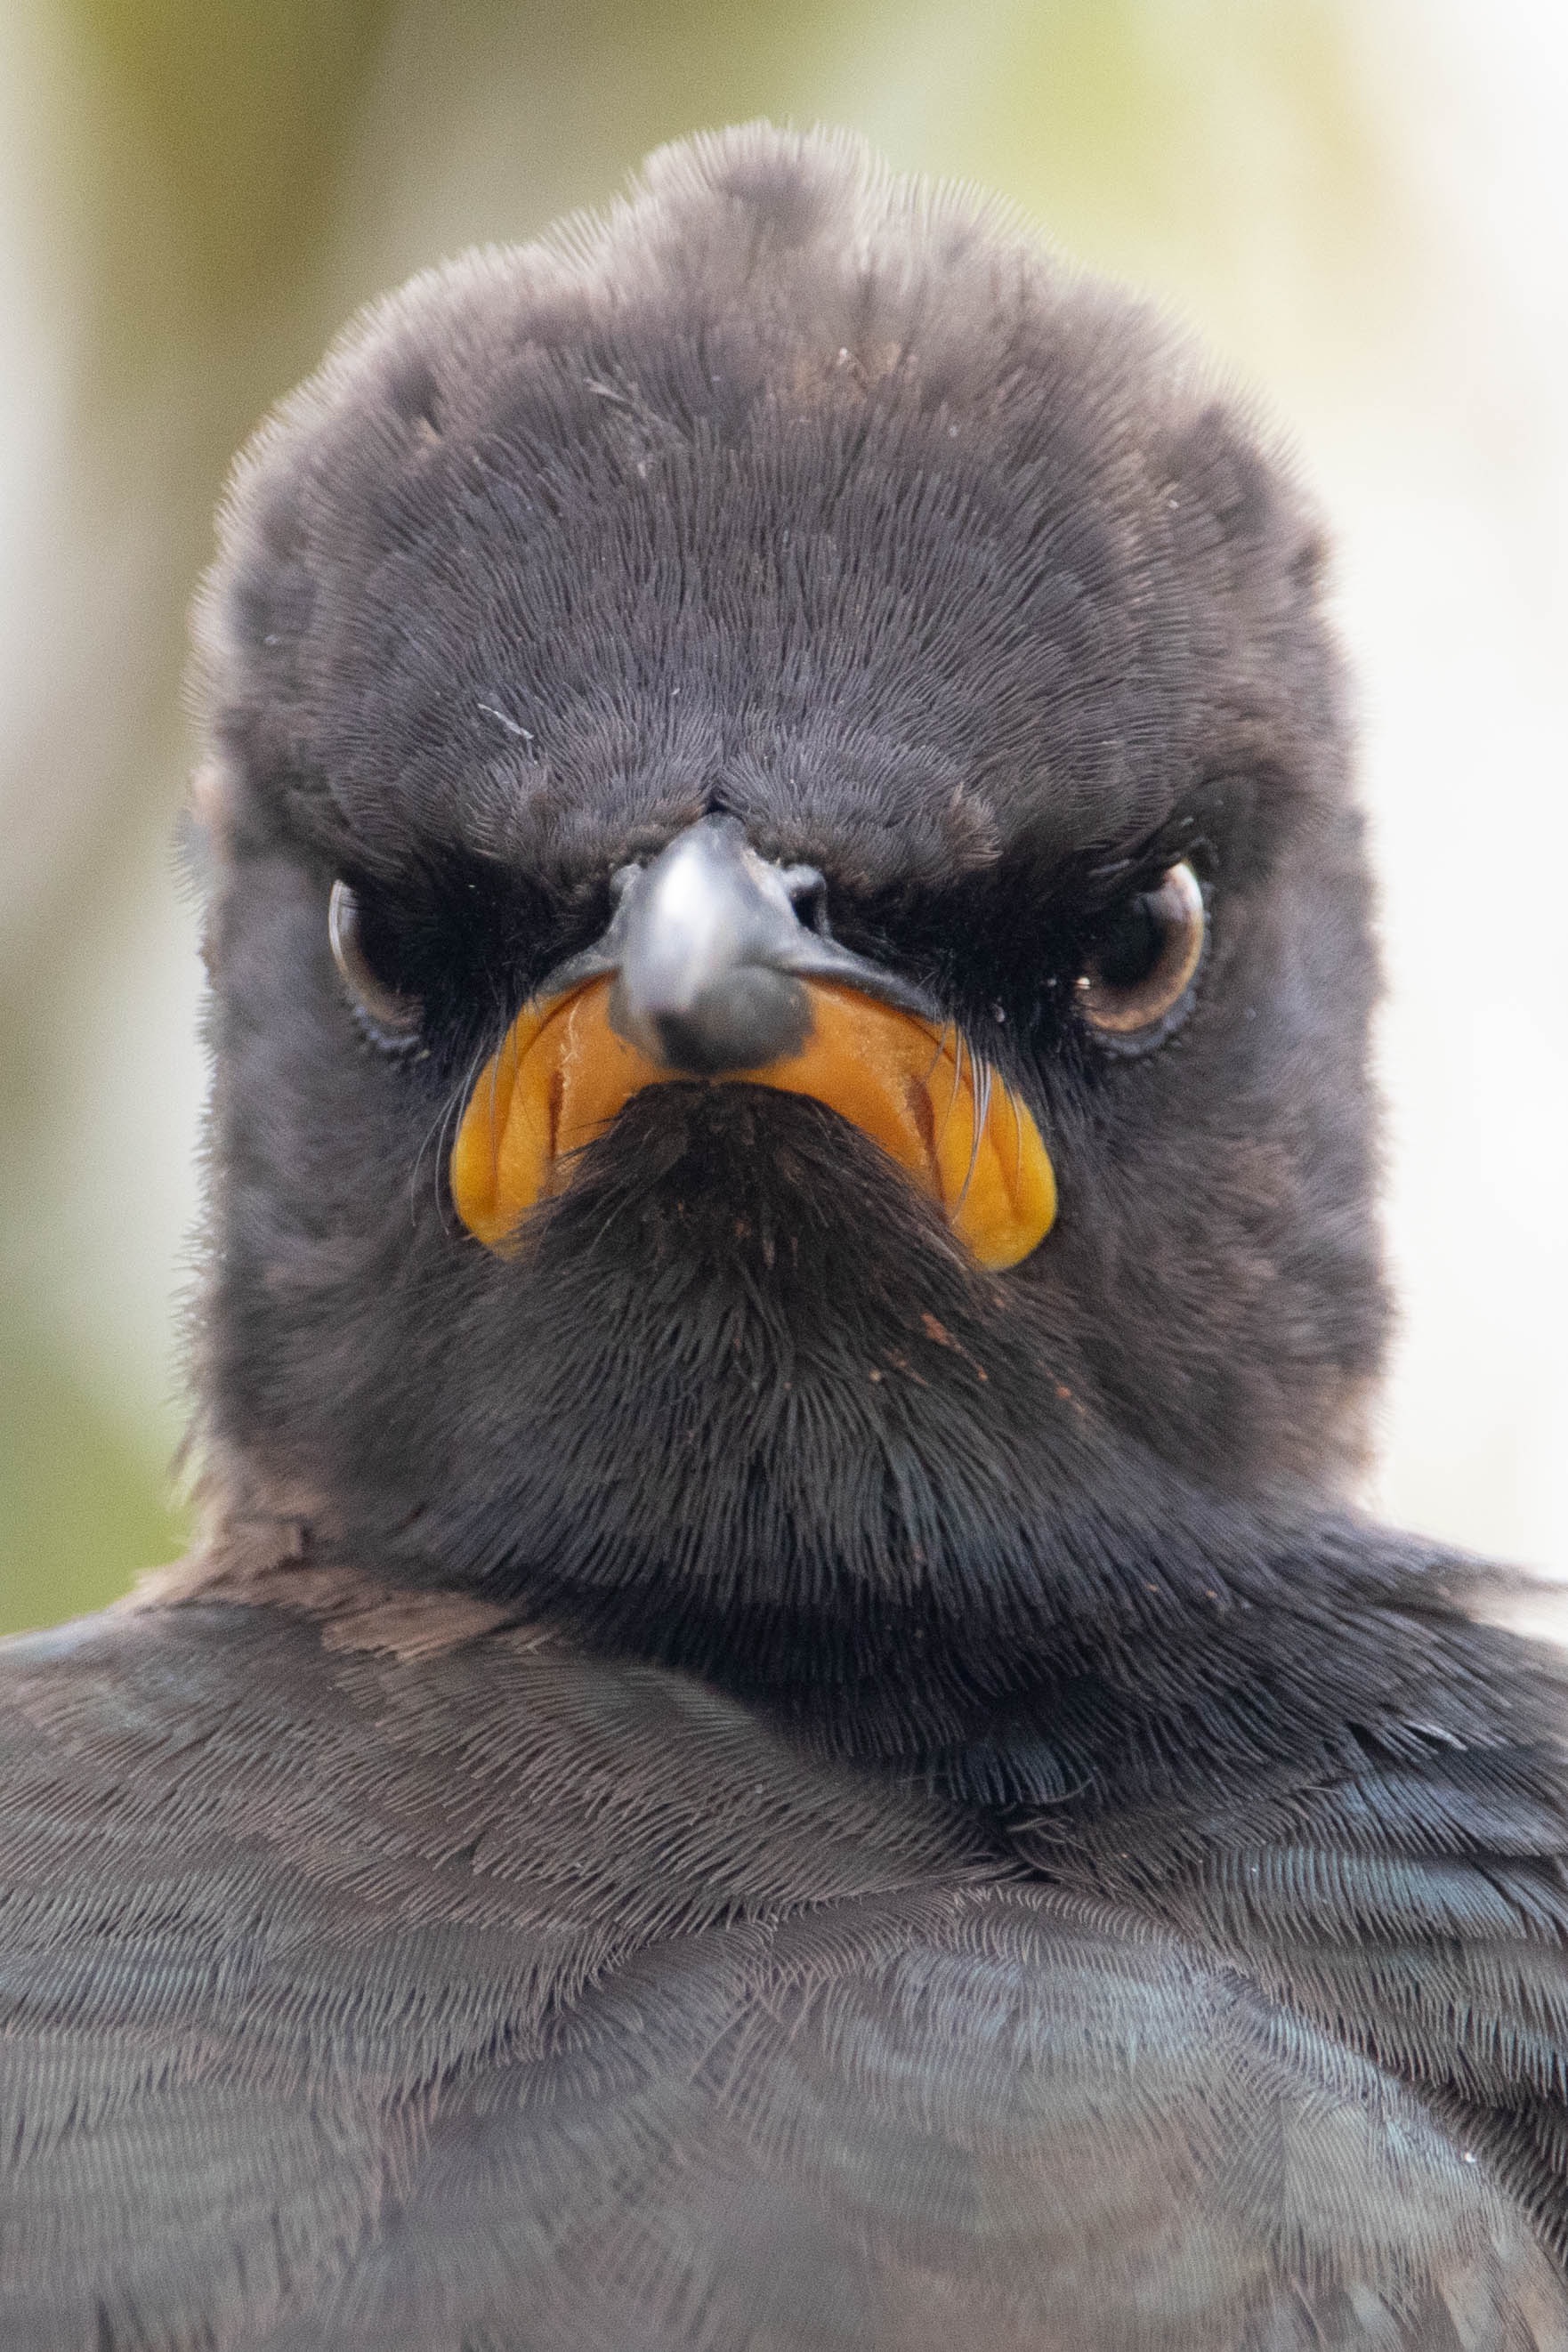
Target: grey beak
711,956
708,940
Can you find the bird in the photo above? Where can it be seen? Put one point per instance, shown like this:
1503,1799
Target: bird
784,1729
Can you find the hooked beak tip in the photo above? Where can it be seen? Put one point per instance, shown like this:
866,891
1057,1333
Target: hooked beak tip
755,1017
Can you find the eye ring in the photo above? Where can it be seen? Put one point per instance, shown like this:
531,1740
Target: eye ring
1137,982
392,1018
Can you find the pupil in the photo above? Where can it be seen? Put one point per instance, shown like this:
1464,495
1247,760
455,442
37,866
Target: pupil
1130,945
380,951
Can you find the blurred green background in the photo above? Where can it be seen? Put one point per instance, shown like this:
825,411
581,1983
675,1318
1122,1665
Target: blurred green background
1359,202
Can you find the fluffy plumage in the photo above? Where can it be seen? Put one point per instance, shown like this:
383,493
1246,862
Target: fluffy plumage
727,1777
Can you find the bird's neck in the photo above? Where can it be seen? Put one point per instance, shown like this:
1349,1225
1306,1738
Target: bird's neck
1118,1661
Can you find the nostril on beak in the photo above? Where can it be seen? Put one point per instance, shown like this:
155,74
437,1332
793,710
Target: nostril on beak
713,948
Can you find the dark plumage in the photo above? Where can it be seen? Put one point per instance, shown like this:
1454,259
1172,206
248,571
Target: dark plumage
726,1775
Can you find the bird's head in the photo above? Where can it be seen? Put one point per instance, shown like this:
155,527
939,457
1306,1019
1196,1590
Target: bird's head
790,947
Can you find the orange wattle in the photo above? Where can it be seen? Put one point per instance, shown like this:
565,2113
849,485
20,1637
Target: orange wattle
562,1073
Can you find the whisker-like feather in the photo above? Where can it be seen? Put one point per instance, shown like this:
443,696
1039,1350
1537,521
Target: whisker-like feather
442,1132
980,1103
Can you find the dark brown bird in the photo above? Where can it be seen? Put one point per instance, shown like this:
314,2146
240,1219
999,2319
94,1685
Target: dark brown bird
781,1738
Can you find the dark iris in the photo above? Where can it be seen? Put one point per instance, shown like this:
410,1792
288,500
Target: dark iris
392,1013
1138,973
1127,951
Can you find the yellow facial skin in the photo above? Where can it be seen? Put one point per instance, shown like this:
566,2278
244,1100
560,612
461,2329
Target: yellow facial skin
562,1073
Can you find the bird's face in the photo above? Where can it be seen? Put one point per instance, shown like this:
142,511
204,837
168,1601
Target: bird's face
791,958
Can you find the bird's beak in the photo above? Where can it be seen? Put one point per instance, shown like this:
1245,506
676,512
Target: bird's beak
707,972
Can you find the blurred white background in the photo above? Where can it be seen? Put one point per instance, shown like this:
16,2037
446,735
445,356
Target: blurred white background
1362,204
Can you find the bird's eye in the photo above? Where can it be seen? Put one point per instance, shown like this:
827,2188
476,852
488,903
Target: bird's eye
391,1017
1135,984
